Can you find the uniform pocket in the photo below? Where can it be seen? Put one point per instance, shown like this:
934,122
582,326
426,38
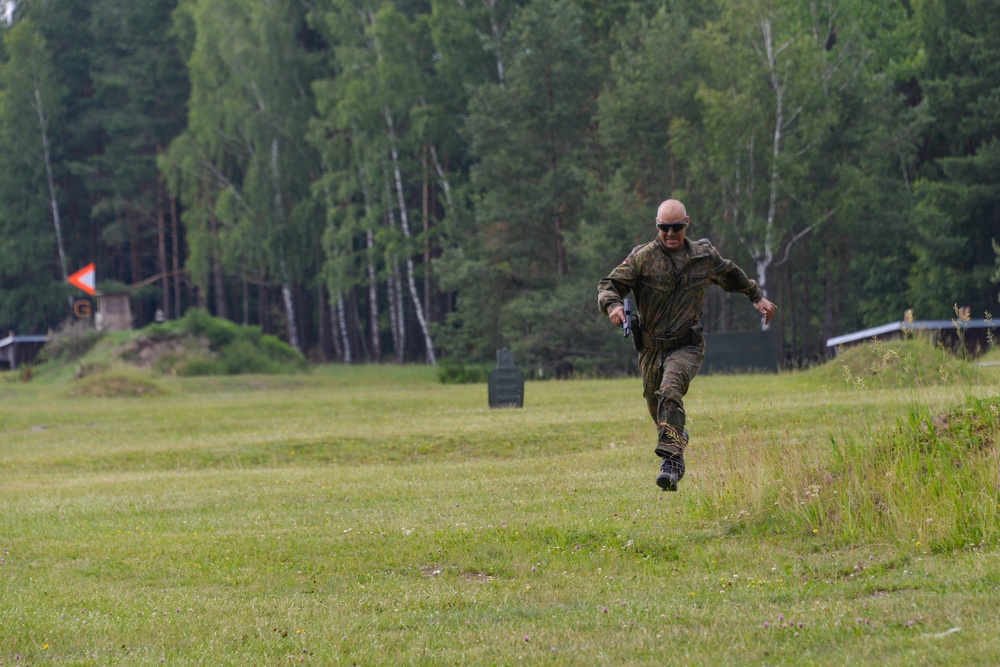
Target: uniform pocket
661,282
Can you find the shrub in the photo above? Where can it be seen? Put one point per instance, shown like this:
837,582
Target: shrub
234,349
455,372
243,357
196,344
70,343
199,366
281,352
218,331
158,332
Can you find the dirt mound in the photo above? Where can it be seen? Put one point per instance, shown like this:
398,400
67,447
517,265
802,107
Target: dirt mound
164,354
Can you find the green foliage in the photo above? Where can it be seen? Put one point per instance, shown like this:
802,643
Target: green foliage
958,211
243,357
451,371
197,344
218,331
846,152
33,297
240,349
648,104
875,365
243,164
529,199
198,366
69,343
921,480
139,85
280,352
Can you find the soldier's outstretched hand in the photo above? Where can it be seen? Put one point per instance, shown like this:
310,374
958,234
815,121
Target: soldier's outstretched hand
766,308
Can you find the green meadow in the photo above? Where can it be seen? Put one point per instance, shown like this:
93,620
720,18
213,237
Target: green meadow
849,514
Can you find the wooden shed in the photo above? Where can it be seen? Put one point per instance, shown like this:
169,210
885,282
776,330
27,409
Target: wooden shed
114,312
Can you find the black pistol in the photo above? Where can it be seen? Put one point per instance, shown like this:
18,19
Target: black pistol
627,321
630,326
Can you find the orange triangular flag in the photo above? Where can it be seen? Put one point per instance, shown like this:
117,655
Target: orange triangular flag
84,279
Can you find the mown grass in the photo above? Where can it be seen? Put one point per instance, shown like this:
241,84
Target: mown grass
374,516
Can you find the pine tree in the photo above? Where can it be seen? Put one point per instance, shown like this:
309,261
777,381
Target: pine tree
958,196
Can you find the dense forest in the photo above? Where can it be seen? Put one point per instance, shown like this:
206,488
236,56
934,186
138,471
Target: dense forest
418,180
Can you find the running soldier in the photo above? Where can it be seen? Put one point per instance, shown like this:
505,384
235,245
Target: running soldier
668,279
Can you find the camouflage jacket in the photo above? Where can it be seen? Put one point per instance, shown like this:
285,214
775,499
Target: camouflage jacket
670,303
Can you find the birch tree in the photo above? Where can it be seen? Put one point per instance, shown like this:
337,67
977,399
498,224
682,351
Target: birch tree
396,69
251,99
33,259
371,101
763,119
31,97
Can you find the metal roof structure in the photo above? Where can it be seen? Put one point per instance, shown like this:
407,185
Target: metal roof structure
15,350
10,340
919,325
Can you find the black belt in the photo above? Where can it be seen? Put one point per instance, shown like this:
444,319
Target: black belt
691,337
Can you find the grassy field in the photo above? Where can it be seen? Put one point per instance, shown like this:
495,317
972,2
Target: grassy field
373,516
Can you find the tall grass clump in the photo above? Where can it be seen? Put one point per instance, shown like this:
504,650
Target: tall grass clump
763,485
451,371
926,478
929,478
69,343
913,362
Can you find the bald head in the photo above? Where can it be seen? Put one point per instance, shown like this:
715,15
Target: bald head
671,211
671,221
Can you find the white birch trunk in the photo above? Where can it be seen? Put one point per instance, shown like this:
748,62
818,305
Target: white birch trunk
286,287
395,287
497,29
342,329
393,292
286,295
442,177
373,304
373,307
404,221
765,255
43,125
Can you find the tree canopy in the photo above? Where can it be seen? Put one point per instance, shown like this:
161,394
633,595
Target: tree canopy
400,180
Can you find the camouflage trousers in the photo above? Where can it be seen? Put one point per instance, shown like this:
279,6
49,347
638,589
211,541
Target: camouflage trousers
666,376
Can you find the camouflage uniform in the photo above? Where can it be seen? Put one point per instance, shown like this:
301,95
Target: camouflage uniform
670,301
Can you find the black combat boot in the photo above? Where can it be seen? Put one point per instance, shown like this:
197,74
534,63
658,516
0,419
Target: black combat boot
671,472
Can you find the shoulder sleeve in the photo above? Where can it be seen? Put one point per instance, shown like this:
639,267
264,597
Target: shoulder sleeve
730,277
611,291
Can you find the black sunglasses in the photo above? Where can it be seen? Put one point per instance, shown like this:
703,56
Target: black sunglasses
675,227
